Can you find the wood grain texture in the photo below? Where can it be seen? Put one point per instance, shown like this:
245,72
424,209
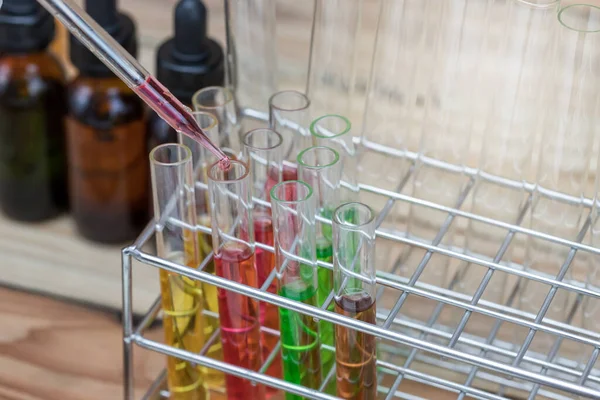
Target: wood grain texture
51,350
51,258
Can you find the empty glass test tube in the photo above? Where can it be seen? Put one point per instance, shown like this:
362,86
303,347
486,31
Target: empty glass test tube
201,160
233,246
263,151
321,168
334,57
511,130
571,122
289,116
251,28
354,288
293,206
335,131
220,102
182,298
591,306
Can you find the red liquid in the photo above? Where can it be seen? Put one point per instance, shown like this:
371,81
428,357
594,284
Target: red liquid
240,331
175,114
269,313
289,173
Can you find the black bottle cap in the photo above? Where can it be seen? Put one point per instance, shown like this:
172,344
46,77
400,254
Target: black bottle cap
25,26
190,61
118,25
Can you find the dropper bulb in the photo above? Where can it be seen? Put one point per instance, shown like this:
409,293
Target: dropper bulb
20,7
104,13
190,30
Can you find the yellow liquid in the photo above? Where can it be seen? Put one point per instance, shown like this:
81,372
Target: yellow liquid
182,301
213,380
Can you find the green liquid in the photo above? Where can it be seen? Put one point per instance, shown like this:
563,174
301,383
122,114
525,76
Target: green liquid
325,253
300,345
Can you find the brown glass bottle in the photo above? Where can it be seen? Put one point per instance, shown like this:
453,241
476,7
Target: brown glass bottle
33,167
108,166
32,152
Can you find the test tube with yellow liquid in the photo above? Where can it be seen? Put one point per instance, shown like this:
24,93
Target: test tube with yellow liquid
182,298
201,160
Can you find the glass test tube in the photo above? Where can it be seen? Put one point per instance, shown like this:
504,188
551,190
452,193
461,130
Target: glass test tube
201,160
251,28
590,319
182,298
354,289
233,246
569,127
398,85
220,102
320,167
334,57
511,129
335,131
263,152
293,206
289,116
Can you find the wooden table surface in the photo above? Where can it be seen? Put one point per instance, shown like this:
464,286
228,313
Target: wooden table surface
53,350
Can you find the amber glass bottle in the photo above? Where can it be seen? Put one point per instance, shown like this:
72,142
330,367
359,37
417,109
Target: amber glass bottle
33,168
106,137
185,66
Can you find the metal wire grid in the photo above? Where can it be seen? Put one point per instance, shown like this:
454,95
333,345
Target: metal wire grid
477,359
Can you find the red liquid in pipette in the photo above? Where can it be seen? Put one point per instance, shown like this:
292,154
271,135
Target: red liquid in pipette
239,314
175,114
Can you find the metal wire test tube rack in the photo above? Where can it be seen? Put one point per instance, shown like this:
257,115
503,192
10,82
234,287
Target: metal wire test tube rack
449,357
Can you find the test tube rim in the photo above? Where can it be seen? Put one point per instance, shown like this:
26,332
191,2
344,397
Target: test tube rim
317,167
215,121
227,99
309,194
539,5
353,227
179,146
571,7
286,109
240,178
249,133
316,121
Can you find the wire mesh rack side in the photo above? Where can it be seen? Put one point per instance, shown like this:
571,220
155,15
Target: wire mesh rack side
476,361
137,336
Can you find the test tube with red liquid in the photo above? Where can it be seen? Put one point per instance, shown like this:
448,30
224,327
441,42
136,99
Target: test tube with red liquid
354,295
262,150
233,247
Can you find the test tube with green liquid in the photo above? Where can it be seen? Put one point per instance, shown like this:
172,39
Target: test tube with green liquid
293,211
321,168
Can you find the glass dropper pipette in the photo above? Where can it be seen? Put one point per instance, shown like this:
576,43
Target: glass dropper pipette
126,67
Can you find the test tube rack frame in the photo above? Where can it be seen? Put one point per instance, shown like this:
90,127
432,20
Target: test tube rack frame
480,367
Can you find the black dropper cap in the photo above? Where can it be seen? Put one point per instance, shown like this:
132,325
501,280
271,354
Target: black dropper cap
190,61
120,26
25,26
